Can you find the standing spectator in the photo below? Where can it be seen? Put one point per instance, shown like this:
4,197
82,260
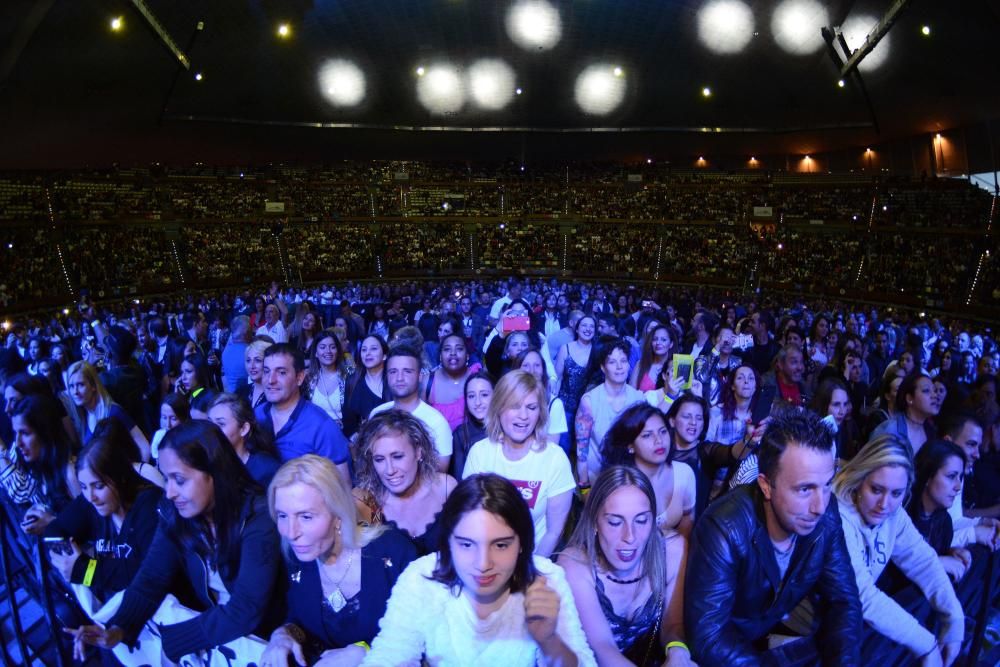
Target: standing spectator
234,371
273,326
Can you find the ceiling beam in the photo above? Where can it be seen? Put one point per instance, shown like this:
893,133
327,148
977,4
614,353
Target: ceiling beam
873,37
162,33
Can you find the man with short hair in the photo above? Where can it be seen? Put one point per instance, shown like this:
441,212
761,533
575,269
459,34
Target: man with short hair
702,325
764,348
782,387
273,325
298,426
402,376
764,549
196,328
513,294
473,327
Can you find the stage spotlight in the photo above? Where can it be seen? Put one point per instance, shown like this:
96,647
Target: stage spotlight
706,92
926,31
342,83
855,29
198,76
117,23
518,91
598,91
796,25
421,71
440,90
284,30
725,26
534,25
491,84
841,83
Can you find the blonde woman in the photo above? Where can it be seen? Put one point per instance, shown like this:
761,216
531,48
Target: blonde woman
871,488
253,391
340,574
517,447
93,403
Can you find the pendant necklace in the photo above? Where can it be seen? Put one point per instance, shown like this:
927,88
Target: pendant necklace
336,599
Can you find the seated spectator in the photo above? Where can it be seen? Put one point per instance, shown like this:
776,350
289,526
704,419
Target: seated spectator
340,574
253,391
486,569
215,532
870,489
517,447
39,477
478,393
601,406
327,377
759,551
93,403
639,438
916,406
115,514
398,479
712,369
250,442
272,327
297,426
174,410
402,377
368,388
627,580
195,376
234,370
831,399
445,395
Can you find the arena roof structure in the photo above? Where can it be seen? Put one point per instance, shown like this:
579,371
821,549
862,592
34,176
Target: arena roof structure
86,81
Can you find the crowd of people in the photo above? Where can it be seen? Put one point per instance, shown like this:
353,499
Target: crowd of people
517,471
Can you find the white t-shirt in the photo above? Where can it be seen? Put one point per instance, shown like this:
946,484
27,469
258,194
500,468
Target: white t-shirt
540,475
437,425
557,417
682,497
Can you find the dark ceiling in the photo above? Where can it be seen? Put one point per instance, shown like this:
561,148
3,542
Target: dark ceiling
73,92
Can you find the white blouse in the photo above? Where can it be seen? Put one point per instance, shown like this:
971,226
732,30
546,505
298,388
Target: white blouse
424,618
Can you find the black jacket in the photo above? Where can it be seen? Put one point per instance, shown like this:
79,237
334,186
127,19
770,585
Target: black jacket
734,595
255,586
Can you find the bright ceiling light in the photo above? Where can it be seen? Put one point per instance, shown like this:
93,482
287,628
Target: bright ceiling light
491,84
706,92
117,23
598,91
796,25
534,25
440,89
725,26
284,30
855,30
342,83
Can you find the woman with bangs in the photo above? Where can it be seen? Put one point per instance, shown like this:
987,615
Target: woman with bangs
627,580
368,388
486,598
531,360
398,481
517,447
340,572
657,351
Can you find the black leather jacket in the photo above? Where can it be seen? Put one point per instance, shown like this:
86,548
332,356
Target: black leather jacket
734,595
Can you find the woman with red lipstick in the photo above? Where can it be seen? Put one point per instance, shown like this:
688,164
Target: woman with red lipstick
214,530
398,481
484,599
640,439
340,574
626,579
870,490
517,447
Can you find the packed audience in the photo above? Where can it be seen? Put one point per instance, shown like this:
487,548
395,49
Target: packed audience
517,471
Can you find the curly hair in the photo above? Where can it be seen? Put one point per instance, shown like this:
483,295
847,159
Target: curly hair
392,422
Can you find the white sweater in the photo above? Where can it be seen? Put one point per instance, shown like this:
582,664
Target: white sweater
424,618
896,539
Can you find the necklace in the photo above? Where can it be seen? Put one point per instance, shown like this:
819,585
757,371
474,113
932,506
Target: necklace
623,581
336,599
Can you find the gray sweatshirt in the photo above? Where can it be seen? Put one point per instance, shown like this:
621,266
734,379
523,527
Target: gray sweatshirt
896,539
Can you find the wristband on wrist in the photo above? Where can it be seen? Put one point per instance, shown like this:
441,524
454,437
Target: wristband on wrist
363,645
682,645
88,575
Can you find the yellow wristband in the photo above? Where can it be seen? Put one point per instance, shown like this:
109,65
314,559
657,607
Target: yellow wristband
363,645
678,645
88,576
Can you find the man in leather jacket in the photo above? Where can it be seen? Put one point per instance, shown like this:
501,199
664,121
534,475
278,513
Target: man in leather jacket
760,551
